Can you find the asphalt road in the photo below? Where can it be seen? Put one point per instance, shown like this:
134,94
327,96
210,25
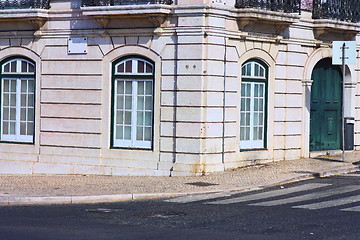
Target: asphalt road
324,208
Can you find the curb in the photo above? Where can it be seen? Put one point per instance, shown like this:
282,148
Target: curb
46,200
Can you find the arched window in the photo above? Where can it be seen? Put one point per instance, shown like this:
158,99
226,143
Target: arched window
133,91
17,100
253,105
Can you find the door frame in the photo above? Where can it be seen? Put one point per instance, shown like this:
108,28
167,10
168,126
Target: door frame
349,102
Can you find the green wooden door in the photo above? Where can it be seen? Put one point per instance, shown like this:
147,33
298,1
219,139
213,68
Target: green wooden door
326,102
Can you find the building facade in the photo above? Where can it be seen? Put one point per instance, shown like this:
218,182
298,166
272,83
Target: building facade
162,87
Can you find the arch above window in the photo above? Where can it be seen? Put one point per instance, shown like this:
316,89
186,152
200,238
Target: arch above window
254,70
134,66
18,66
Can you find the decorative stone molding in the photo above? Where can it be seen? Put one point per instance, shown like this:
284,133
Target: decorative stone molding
307,82
250,16
156,13
328,26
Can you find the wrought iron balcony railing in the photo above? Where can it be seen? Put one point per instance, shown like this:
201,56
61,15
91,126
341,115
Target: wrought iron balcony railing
91,3
287,6
24,4
343,10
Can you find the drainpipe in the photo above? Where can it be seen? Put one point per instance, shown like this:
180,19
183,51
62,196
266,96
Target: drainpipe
175,102
224,106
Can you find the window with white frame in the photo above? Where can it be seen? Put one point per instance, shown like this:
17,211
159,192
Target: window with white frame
253,105
132,121
17,100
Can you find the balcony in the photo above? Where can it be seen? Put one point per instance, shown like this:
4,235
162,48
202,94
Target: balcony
336,16
342,10
278,13
22,4
287,6
33,11
92,3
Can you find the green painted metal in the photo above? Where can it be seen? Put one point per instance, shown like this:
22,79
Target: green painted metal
326,102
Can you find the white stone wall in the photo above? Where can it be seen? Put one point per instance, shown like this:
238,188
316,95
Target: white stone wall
198,51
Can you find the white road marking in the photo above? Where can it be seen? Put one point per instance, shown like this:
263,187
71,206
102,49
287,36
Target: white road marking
351,175
352,209
199,197
270,194
332,203
309,196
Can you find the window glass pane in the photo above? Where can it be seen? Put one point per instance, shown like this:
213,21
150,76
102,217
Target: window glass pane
13,66
31,68
261,90
12,100
247,133
119,117
139,133
13,85
6,99
148,119
24,86
127,117
255,133
148,68
30,114
149,90
141,88
256,104
5,128
242,104
128,102
23,100
7,67
120,102
23,67
31,100
247,118
128,66
12,113
127,133
128,87
248,69
23,114
147,134
256,90
247,104
120,87
256,119
242,133
148,103
121,68
260,136
141,67
22,128
30,128
31,86
256,70
261,104
243,90
262,72
119,132
12,128
140,118
140,103
242,119
6,86
6,114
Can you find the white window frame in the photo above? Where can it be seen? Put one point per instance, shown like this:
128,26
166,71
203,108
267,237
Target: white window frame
14,76
252,79
135,78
